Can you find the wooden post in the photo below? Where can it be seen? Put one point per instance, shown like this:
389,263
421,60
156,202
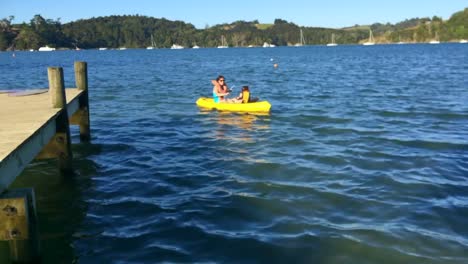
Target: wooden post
81,79
56,87
18,225
57,94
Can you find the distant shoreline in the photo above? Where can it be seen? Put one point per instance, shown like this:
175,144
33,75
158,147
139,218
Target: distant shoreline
148,32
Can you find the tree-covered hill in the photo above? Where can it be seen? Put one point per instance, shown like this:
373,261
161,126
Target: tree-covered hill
134,31
127,31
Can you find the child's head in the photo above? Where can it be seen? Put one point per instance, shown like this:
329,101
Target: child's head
245,88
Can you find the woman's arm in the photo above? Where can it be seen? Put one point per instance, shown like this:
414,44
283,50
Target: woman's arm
218,90
225,89
220,93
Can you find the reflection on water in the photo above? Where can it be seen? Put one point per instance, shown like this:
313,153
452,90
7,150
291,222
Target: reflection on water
59,202
244,121
238,127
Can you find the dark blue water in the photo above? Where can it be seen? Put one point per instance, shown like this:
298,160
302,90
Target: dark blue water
363,159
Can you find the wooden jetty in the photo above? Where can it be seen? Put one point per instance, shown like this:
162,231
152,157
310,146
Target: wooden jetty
36,127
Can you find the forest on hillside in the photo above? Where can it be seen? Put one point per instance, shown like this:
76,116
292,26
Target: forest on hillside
134,31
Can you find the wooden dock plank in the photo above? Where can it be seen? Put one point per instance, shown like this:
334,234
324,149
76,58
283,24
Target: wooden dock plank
25,119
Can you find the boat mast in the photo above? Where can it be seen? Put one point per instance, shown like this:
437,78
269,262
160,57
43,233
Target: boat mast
301,40
223,41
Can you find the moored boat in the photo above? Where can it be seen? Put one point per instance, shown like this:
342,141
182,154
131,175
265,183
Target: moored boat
223,43
46,48
371,41
333,43
261,106
176,46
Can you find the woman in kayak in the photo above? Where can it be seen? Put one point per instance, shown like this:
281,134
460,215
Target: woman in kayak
220,89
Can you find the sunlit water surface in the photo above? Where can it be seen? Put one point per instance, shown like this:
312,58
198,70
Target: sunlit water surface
363,158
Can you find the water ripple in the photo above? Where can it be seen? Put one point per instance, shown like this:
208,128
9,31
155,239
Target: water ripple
363,158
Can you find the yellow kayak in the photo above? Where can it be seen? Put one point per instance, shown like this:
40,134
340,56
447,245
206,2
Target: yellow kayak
262,106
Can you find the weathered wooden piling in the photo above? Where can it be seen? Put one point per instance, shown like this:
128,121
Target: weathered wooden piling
18,222
61,141
81,117
36,127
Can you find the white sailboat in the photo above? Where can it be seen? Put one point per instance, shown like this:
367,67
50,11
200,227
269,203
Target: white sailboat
301,40
463,41
399,41
46,48
176,46
332,44
153,44
370,42
223,43
436,40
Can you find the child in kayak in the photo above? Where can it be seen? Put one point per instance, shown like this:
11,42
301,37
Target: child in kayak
244,96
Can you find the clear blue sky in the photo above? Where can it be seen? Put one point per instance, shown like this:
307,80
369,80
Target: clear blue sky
325,13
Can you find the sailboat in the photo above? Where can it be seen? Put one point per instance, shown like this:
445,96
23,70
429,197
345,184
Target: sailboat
436,40
46,48
332,44
223,43
370,42
371,39
176,46
399,40
301,40
153,44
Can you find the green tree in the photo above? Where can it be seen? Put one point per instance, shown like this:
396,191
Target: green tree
6,33
457,25
4,44
27,39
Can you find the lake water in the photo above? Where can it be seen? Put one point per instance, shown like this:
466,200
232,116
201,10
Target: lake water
363,158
